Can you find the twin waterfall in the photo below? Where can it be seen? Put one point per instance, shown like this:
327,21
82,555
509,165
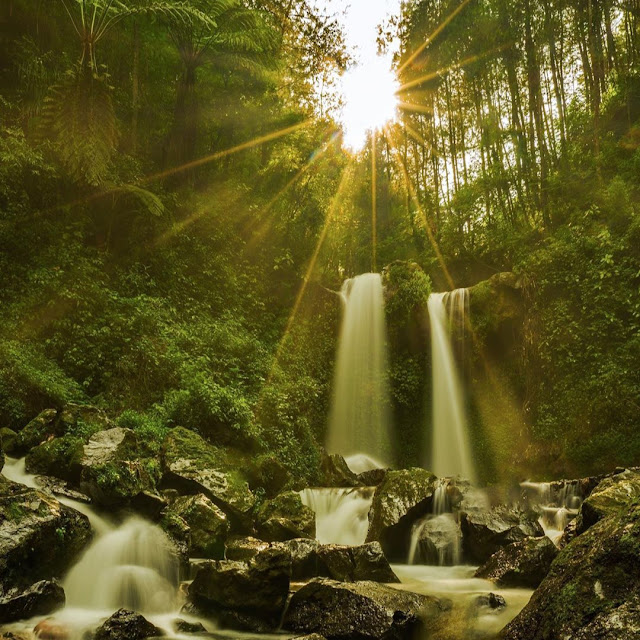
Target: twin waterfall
360,422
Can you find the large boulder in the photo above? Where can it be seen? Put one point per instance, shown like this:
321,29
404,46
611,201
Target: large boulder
285,518
399,501
193,466
244,595
355,564
8,439
592,590
521,564
113,473
336,473
208,525
359,611
127,625
60,458
485,532
39,537
40,599
43,427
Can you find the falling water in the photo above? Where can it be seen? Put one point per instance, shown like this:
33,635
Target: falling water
451,453
342,515
360,418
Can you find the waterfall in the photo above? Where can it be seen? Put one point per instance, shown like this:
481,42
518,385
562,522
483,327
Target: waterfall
451,452
359,421
132,566
342,515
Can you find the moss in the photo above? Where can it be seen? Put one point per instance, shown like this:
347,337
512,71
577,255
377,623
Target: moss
60,457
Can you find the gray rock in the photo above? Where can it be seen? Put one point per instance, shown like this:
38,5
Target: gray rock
40,599
521,564
336,473
127,625
399,501
285,518
244,595
485,532
245,549
359,611
39,537
490,601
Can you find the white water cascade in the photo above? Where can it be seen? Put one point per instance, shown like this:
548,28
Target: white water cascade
359,421
342,515
451,451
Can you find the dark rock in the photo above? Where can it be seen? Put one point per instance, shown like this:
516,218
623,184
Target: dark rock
521,564
270,474
372,478
41,428
491,601
8,439
354,564
359,611
209,526
39,537
245,549
40,599
285,518
58,487
182,626
193,466
485,532
245,595
127,625
593,587
336,473
113,473
59,457
401,499
149,504
304,559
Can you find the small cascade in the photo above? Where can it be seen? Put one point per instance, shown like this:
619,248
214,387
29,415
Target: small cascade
437,539
558,504
342,515
451,451
359,421
132,566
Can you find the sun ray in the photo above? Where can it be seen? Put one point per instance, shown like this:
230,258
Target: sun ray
457,65
409,106
433,36
259,233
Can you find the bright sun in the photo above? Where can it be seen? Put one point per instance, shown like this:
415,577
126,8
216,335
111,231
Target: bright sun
370,99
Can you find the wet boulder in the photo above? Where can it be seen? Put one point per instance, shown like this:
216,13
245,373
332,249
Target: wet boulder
127,625
336,473
183,626
50,629
113,473
208,525
192,466
249,596
43,427
40,599
354,564
490,602
521,564
244,549
39,537
271,475
399,501
593,587
485,532
611,495
8,439
359,611
58,457
285,518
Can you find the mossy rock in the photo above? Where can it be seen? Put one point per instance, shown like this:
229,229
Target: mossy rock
39,537
208,525
595,578
402,498
8,438
285,518
41,428
193,466
60,458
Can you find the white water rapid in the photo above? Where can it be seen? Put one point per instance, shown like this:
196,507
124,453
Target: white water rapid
359,421
451,451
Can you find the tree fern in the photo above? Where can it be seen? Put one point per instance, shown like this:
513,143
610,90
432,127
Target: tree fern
80,120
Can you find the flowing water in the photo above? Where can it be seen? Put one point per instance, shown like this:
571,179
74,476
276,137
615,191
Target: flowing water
359,421
342,515
451,452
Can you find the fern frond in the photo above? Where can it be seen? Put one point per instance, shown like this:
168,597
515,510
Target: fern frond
148,201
